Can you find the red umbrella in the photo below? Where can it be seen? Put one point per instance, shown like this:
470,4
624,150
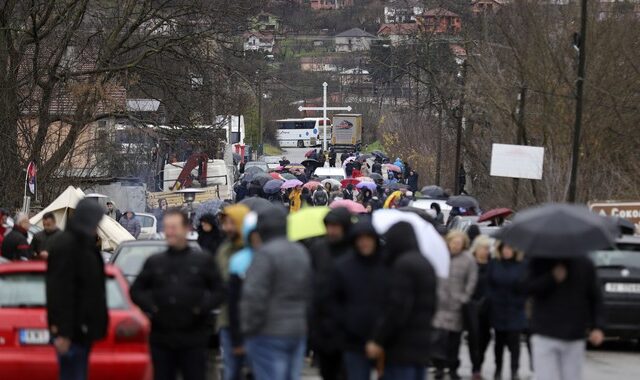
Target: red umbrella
495,213
275,175
349,181
309,153
353,207
311,185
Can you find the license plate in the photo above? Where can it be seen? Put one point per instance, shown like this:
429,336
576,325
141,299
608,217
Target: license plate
34,336
621,287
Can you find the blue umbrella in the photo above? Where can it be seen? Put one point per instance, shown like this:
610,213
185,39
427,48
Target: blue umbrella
273,186
369,185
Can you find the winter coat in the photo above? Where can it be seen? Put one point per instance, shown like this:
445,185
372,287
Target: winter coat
277,288
131,225
320,197
358,288
376,168
323,335
178,289
228,248
42,240
295,200
76,295
455,291
15,245
114,214
412,182
569,309
347,194
506,296
210,241
404,331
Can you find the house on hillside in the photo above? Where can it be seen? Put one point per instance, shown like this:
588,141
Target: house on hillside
330,4
398,33
440,21
486,6
256,41
402,11
265,23
354,39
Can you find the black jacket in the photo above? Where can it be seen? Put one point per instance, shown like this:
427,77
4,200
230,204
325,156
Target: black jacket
42,240
569,309
405,328
358,296
210,241
15,245
76,298
178,289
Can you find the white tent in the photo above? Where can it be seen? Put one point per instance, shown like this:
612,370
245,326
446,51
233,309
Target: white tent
111,232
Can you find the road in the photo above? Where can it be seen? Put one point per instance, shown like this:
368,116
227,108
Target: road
295,155
618,361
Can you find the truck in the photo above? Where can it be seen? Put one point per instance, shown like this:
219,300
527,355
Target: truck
347,132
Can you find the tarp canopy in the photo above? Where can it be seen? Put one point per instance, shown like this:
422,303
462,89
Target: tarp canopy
111,233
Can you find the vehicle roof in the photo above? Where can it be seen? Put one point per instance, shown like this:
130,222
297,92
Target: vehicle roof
628,239
41,266
330,170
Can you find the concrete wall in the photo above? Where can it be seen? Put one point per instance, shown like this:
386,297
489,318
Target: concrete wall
126,196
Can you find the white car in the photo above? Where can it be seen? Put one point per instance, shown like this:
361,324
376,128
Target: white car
425,204
333,173
148,226
272,161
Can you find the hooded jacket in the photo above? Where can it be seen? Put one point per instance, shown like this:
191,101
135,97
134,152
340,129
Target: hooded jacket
277,288
295,200
237,213
404,330
209,241
76,296
358,288
131,225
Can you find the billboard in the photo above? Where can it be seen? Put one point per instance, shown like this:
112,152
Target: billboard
517,161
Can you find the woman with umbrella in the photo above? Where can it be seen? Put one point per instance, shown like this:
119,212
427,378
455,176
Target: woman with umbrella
506,305
453,293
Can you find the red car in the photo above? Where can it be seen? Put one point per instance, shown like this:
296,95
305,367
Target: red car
25,352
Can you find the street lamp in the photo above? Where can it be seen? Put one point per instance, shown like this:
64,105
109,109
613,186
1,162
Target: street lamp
189,196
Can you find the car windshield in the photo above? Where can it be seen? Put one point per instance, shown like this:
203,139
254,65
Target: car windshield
623,257
145,221
29,290
131,258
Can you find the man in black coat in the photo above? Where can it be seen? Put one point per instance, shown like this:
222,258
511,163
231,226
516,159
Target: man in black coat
358,289
567,307
15,245
76,298
403,333
324,252
42,240
178,289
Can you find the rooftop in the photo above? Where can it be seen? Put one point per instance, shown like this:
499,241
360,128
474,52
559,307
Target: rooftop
355,32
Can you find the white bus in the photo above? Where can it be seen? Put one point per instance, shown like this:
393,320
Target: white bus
301,133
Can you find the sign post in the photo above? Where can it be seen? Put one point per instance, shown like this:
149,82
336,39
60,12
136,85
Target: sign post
324,110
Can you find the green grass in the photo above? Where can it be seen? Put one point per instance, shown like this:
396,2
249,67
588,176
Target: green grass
376,145
270,150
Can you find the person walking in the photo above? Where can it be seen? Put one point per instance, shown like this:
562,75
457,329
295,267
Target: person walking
209,234
478,320
507,305
567,306
453,293
77,313
295,199
347,193
325,251
113,212
42,239
178,289
439,215
320,197
232,218
402,338
15,246
275,296
332,157
358,287
131,223
412,180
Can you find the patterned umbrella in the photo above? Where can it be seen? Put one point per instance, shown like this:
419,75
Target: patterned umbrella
311,185
353,207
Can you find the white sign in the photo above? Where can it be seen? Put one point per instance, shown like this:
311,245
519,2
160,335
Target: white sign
517,161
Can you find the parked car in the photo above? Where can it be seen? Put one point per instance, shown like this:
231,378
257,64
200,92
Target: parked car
330,173
148,224
261,164
424,203
272,161
131,255
25,351
619,275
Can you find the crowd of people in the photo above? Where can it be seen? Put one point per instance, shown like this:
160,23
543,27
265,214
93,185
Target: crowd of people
353,299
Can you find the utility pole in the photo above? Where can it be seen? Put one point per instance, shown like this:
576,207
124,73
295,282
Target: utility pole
260,132
443,122
581,42
520,140
459,128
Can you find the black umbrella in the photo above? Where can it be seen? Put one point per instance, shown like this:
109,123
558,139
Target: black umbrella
364,157
558,231
261,178
254,169
258,204
623,226
396,186
376,177
432,191
380,154
311,163
464,201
